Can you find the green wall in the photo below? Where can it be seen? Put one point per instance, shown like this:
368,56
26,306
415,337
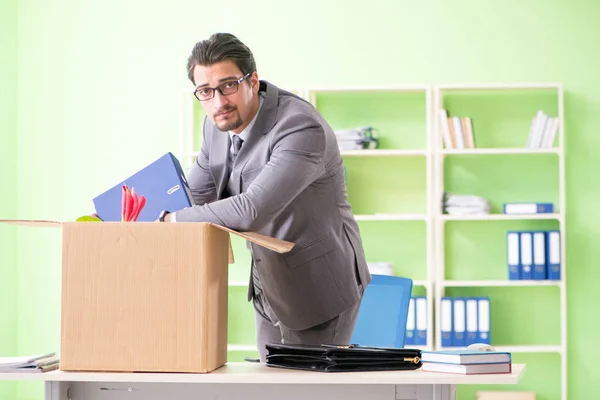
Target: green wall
8,183
98,95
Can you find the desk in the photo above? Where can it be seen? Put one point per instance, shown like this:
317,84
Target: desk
251,381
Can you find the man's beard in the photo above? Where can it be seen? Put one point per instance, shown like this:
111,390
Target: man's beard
234,121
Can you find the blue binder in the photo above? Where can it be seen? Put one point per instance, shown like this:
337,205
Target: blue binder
483,320
459,322
447,318
553,255
539,255
383,312
421,320
411,324
526,255
163,184
513,255
472,320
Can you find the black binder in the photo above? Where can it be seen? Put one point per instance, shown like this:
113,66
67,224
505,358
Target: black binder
332,358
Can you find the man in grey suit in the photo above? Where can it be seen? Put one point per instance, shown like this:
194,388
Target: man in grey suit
270,163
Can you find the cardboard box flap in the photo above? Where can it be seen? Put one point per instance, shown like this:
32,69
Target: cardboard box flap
271,243
31,222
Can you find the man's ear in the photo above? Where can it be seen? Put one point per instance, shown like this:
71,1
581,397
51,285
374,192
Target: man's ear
255,82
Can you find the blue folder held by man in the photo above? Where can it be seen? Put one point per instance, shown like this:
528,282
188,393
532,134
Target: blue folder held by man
162,183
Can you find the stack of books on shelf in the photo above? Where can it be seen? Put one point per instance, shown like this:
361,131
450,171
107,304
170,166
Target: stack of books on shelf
467,362
459,204
457,132
36,363
380,268
542,131
357,139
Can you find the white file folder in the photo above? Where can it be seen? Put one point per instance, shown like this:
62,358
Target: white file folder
539,256
446,321
410,323
483,320
526,255
472,321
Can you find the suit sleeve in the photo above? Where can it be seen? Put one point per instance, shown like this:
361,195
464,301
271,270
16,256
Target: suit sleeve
200,180
296,161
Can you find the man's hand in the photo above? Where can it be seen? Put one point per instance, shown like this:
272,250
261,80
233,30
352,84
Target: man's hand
167,218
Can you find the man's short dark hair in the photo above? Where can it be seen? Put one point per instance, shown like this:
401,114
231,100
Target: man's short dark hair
221,47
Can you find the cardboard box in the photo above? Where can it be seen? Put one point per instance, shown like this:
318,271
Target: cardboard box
144,296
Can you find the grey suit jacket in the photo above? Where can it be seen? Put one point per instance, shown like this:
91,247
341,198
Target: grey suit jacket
290,178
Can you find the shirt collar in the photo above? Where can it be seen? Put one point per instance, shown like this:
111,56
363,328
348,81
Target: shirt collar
244,134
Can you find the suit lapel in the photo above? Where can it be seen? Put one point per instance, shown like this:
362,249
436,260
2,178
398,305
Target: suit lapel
265,120
221,143
219,153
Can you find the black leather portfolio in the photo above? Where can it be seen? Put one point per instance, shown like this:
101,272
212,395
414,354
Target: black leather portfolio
331,358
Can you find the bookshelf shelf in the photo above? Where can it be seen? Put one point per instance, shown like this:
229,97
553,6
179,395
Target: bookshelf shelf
499,151
384,153
391,217
500,283
500,217
500,86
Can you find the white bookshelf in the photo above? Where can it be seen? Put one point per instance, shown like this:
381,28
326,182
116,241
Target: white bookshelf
441,219
426,152
434,155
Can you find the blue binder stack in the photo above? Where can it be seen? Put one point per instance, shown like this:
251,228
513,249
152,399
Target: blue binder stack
464,321
163,183
533,255
416,324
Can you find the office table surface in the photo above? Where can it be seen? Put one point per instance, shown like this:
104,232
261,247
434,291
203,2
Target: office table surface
248,373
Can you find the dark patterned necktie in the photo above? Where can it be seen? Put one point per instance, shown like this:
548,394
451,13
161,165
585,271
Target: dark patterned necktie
237,144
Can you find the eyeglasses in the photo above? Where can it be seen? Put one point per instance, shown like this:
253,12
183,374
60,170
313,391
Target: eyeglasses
226,88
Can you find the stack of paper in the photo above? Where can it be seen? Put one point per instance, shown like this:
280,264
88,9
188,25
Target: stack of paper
356,139
458,204
36,363
467,362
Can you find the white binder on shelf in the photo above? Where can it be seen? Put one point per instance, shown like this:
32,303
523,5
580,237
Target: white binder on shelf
526,255
483,320
553,256
472,321
539,255
446,321
421,320
410,323
459,322
513,255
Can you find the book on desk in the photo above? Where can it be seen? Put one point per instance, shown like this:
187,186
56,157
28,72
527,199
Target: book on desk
467,362
35,363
